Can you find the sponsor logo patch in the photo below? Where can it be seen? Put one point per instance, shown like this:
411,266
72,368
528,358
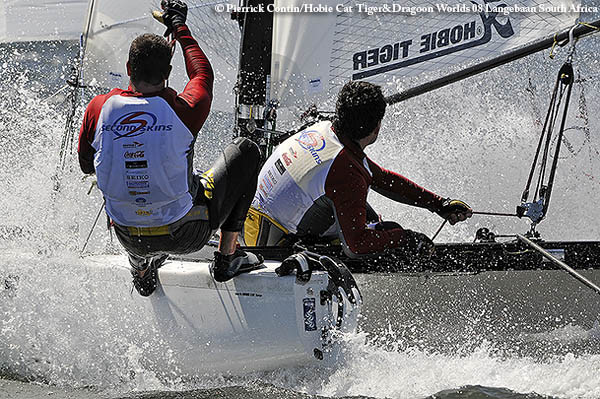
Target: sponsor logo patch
137,177
135,144
313,142
136,164
261,188
133,154
310,314
138,184
286,159
268,184
135,124
280,167
139,192
311,139
272,177
143,212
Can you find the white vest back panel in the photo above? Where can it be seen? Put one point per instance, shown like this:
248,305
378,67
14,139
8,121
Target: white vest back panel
294,175
141,161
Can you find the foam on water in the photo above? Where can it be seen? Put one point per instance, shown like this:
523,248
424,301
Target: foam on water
473,140
31,127
371,371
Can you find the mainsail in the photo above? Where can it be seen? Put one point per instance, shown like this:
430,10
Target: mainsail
113,24
392,44
41,20
316,50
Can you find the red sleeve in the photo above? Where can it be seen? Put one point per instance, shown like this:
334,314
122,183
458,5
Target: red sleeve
193,104
347,186
86,134
400,189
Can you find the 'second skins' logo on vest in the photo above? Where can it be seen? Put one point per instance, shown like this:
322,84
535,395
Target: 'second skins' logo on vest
135,124
311,139
313,142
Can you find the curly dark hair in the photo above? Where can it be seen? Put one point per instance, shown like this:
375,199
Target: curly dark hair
359,108
149,59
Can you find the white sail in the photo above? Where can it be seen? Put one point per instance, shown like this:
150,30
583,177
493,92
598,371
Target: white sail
113,24
41,20
315,53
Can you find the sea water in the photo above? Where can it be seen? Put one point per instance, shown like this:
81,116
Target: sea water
473,140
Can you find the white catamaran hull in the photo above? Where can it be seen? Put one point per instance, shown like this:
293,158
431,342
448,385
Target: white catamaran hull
191,323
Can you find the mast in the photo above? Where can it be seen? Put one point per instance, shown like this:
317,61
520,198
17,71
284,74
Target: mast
254,70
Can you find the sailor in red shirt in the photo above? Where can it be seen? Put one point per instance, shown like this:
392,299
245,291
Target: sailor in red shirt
140,143
314,186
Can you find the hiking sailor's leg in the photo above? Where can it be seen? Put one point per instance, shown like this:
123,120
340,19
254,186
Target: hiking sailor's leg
144,272
230,186
144,263
231,183
228,242
137,262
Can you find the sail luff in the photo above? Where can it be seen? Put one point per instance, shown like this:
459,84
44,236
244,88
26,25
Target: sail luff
579,31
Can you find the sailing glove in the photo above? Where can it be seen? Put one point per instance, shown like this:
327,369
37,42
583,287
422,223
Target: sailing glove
455,211
174,14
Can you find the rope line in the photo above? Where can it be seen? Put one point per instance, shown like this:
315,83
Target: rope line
439,230
93,226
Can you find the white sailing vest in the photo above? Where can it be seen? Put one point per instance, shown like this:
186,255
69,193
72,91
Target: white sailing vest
294,175
141,161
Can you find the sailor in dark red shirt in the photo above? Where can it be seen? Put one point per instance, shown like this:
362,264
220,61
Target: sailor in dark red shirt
314,186
140,143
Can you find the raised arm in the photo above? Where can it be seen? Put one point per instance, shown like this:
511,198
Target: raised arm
193,104
197,66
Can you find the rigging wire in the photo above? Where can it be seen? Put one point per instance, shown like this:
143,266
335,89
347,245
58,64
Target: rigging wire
559,105
439,230
586,144
87,240
582,114
560,96
68,137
